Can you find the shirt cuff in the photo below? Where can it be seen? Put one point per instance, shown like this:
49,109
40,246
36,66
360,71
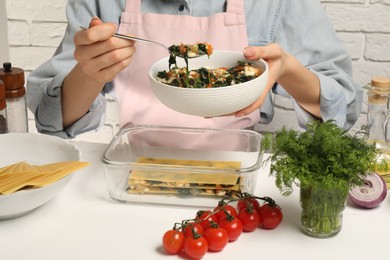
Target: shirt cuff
49,113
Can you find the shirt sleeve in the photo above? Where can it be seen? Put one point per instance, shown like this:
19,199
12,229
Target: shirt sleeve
44,84
305,31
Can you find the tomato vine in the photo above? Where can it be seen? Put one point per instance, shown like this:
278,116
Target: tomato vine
212,230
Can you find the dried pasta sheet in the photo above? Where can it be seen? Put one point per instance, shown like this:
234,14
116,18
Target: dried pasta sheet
23,175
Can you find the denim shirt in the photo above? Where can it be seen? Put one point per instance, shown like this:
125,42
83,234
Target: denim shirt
300,27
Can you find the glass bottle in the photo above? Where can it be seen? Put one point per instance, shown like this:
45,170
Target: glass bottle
378,111
3,111
15,91
378,120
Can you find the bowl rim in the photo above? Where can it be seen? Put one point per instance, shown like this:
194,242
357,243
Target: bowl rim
42,136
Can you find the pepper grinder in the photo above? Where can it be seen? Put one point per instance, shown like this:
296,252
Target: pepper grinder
15,91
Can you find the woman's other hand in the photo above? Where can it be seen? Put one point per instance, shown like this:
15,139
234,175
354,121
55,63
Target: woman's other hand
286,70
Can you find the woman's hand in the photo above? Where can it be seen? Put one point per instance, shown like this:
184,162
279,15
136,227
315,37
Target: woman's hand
286,70
99,55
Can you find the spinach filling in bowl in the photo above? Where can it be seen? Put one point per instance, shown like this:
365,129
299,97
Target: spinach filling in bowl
209,78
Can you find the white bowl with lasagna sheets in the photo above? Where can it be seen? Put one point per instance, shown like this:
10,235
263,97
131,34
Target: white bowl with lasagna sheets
209,102
181,166
34,150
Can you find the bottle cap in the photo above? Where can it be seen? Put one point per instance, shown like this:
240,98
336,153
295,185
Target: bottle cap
380,82
2,95
379,91
13,79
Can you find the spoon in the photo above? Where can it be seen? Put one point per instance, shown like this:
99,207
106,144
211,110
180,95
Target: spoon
172,53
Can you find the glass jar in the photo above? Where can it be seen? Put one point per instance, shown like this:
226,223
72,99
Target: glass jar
322,209
3,111
15,98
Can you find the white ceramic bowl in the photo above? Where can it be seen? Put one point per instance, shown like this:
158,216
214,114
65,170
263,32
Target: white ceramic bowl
35,149
209,102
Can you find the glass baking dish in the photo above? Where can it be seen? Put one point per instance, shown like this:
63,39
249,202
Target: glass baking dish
181,166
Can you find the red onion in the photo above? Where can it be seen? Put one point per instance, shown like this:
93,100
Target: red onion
371,193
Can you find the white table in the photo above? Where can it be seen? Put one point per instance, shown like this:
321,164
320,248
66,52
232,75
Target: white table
83,223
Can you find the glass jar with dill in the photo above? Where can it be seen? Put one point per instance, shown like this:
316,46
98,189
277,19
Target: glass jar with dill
324,161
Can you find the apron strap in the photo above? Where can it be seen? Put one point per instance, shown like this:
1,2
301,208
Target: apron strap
133,6
235,7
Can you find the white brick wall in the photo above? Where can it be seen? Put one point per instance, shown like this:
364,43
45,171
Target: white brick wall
36,27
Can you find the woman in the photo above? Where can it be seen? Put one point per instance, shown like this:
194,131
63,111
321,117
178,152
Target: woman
307,62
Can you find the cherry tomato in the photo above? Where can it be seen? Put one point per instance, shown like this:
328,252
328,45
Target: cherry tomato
270,216
191,228
195,246
245,202
217,238
249,218
220,211
233,226
173,241
205,217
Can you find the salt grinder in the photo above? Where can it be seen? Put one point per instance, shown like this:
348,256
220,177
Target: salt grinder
3,111
15,91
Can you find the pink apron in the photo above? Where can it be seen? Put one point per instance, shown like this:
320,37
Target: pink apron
137,102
